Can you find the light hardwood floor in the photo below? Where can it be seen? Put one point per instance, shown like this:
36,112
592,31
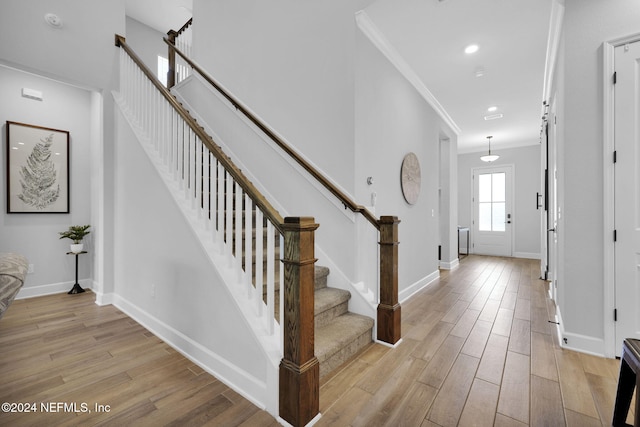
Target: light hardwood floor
66,349
477,349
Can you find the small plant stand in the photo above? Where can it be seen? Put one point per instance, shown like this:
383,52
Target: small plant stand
77,289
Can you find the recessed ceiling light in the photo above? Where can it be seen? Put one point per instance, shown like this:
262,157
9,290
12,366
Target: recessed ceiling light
472,48
492,109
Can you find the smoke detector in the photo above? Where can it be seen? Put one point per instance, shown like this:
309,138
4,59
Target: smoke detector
54,20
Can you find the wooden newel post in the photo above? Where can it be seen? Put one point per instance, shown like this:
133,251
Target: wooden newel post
171,72
389,311
299,368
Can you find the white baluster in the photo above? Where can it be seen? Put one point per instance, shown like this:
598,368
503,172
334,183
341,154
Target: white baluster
198,175
228,207
259,265
180,149
191,190
281,287
220,178
270,277
238,212
206,182
248,245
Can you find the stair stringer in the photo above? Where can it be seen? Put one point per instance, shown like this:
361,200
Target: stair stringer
261,392
364,299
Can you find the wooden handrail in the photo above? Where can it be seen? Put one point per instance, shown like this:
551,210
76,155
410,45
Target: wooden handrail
184,27
344,199
268,210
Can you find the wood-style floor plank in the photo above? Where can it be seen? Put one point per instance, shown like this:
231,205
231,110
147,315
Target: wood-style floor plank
478,349
65,348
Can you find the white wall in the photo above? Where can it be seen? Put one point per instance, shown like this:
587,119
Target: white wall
36,236
292,63
165,280
587,24
392,119
82,52
321,90
526,218
146,42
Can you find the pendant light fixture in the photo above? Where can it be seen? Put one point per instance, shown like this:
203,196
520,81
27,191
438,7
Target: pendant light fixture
489,157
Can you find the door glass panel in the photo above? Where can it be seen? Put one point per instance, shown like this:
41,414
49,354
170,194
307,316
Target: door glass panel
484,217
484,189
498,220
498,187
491,201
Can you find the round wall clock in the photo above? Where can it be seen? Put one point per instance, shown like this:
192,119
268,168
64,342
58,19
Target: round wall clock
410,178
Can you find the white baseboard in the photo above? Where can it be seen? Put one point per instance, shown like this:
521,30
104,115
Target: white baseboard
450,265
407,293
237,379
527,255
51,289
578,342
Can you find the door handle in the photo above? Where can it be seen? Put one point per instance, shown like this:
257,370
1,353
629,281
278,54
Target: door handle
538,196
552,229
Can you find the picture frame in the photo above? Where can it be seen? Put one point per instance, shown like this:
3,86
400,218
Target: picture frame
37,169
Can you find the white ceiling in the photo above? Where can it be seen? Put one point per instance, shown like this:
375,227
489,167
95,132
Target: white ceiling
431,36
162,15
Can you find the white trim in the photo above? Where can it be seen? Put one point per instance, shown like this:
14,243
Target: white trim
208,360
527,255
315,419
450,265
608,146
407,293
386,344
51,289
553,44
578,342
512,168
105,299
378,39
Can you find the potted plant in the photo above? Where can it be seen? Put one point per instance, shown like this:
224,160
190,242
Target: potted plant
75,233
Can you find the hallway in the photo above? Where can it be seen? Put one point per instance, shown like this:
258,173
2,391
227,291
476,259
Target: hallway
478,349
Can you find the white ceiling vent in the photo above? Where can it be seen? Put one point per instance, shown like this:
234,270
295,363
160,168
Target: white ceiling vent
493,116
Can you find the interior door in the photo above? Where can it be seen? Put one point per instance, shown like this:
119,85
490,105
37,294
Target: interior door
492,223
541,205
627,192
552,204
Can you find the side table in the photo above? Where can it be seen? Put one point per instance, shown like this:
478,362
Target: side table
77,289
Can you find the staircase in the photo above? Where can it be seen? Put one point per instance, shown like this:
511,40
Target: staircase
246,237
340,334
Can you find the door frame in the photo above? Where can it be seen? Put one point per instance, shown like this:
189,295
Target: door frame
609,306
511,195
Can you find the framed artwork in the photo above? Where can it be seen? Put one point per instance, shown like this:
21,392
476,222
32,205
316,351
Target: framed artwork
37,169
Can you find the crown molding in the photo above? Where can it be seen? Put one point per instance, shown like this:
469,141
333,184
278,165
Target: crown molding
373,33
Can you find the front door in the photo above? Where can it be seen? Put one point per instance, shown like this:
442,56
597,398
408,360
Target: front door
627,192
493,218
